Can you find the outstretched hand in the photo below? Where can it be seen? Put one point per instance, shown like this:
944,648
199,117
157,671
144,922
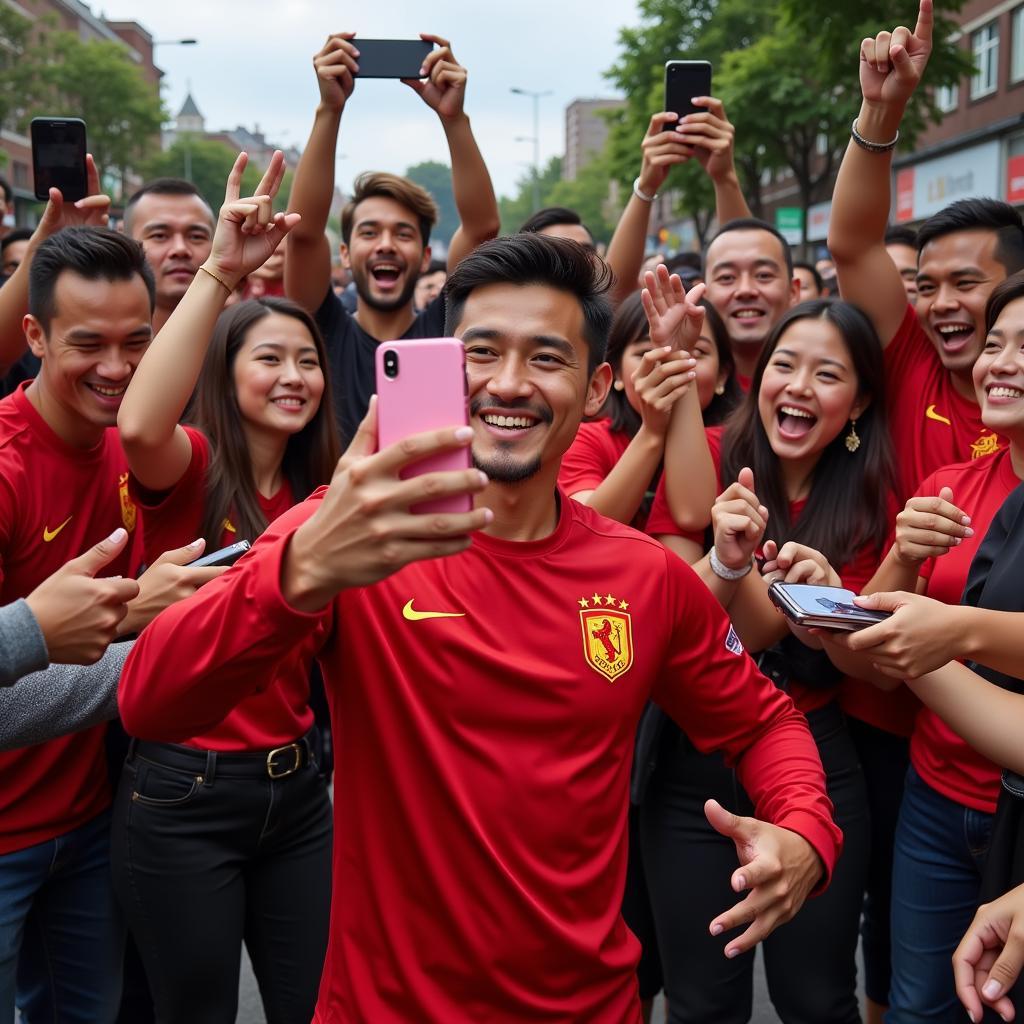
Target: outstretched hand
739,520
673,315
892,63
777,866
444,87
248,230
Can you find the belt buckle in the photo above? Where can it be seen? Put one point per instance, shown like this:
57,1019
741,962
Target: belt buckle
279,773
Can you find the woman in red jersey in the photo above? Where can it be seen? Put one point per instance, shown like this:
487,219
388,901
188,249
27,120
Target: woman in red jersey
616,460
813,430
225,837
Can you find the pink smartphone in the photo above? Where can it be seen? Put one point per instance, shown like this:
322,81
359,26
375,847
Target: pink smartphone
421,385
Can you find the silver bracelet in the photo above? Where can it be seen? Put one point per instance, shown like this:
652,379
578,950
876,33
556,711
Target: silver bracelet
872,147
640,194
723,571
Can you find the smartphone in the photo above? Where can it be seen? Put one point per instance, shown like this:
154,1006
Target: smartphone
822,607
391,58
226,556
58,157
685,79
421,385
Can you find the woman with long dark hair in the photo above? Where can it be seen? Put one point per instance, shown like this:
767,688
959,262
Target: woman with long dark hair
225,837
813,432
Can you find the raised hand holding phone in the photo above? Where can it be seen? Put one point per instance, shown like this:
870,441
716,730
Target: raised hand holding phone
444,86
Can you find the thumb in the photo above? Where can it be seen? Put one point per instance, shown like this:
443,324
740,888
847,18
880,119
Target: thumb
99,555
746,478
881,602
182,556
946,494
1003,973
365,440
725,822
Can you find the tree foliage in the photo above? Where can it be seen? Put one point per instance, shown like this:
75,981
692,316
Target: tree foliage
517,208
436,178
207,163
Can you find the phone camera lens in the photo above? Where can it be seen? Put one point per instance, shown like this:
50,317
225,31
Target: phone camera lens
391,364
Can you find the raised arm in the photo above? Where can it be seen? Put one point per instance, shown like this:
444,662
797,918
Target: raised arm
707,137
891,66
307,270
91,211
444,91
158,449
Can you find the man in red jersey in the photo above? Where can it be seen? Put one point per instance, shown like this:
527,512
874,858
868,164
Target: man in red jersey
63,488
485,729
964,251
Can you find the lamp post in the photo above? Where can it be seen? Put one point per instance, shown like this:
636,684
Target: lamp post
188,143
535,96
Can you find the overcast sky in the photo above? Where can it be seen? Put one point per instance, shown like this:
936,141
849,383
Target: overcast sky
253,65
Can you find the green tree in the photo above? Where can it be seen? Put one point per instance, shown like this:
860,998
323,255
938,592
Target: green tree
17,65
588,196
98,81
436,178
519,207
206,163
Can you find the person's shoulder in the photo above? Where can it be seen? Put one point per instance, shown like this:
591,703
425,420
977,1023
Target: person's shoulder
909,337
13,423
429,321
593,527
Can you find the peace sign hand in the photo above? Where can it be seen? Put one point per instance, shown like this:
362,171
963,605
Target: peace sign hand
248,230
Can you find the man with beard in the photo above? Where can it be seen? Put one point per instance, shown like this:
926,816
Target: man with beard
175,226
385,227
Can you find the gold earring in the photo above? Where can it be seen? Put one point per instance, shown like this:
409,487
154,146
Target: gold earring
852,440
618,385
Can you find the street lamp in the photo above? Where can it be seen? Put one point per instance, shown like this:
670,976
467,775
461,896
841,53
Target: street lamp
188,142
175,42
535,96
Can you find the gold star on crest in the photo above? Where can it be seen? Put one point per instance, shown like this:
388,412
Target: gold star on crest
623,605
596,598
609,600
583,602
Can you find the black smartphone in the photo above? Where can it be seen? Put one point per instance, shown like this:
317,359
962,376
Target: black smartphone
391,58
822,607
226,556
685,79
58,157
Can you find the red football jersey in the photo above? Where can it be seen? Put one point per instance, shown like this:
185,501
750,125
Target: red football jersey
484,708
931,423
279,712
592,456
55,502
947,763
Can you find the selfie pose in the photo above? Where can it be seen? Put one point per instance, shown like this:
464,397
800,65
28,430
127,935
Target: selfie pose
813,432
224,835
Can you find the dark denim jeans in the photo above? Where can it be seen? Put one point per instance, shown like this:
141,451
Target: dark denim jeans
61,933
937,861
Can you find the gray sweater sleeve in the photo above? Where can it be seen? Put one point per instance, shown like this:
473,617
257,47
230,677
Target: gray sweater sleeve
61,700
22,646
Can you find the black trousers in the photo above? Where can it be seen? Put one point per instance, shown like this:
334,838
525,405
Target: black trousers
208,852
810,962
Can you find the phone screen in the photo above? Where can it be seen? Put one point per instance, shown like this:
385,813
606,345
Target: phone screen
829,602
391,58
685,79
58,157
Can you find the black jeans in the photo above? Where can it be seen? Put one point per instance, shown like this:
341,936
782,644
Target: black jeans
208,851
810,962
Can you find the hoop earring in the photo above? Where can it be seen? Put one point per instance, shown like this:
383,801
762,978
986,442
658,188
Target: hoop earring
852,440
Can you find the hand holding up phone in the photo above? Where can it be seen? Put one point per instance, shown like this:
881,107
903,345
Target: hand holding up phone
444,87
92,211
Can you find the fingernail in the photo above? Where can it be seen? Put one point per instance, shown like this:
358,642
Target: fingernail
716,929
741,881
730,953
971,1017
464,433
196,543
966,520
488,516
423,71
992,989
968,532
117,536
483,478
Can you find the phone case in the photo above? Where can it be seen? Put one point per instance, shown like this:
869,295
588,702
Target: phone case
429,392
685,79
822,607
58,157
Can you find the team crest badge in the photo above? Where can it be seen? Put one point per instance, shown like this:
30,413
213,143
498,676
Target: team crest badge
607,634
129,514
985,445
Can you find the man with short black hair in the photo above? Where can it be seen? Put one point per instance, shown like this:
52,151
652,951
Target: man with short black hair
13,248
559,222
175,226
6,204
385,227
811,284
430,284
901,245
518,661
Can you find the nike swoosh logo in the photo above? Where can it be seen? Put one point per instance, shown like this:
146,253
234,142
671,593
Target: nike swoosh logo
410,613
931,414
48,535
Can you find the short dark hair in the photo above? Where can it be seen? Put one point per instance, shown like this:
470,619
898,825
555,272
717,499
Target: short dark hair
17,235
162,187
900,234
684,261
435,267
813,271
97,254
407,193
752,224
5,187
1007,291
985,215
528,258
550,216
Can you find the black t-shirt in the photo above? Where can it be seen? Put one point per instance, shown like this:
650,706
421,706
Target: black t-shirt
350,352
26,368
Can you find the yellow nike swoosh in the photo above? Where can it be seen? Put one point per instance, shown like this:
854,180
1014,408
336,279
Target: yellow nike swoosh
410,613
48,535
931,414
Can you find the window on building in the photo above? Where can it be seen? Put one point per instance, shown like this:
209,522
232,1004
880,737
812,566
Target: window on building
1017,46
985,48
947,98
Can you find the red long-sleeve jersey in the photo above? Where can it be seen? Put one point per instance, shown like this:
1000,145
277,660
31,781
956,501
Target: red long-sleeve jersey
484,707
